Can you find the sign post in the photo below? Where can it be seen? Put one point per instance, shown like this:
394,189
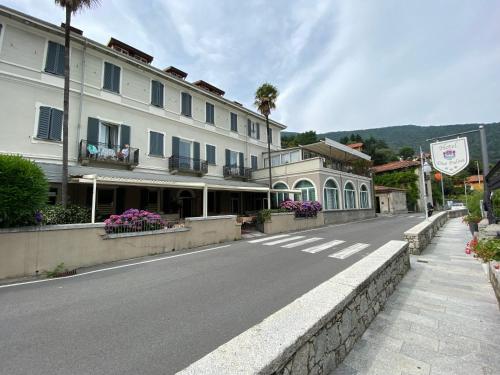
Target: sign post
451,156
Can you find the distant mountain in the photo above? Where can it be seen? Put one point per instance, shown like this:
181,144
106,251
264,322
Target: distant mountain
415,136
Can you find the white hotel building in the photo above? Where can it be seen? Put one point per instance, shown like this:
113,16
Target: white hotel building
191,151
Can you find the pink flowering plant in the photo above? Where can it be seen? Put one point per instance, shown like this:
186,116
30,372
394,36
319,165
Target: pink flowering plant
133,220
302,208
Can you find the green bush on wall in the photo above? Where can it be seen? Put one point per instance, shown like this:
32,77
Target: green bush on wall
72,214
23,191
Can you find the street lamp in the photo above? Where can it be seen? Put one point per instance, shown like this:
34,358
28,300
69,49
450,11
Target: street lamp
426,168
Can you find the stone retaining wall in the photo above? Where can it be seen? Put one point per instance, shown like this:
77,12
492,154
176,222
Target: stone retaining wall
457,213
421,234
33,250
313,334
346,216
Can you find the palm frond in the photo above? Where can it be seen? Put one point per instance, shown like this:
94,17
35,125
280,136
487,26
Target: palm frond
265,98
76,5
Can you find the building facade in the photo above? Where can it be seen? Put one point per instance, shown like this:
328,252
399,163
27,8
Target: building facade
139,136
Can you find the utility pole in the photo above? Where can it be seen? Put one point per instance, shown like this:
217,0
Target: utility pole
486,170
424,187
442,188
465,189
478,178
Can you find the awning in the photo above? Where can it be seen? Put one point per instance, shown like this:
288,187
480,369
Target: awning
106,176
336,150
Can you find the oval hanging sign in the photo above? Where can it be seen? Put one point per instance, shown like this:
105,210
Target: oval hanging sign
450,157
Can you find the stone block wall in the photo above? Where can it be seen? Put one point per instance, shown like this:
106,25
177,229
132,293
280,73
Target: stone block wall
346,216
422,234
313,334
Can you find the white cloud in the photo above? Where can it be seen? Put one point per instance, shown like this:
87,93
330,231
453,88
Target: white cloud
345,64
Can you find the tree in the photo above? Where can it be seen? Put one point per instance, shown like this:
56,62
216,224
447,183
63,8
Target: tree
344,140
71,7
306,138
407,152
265,101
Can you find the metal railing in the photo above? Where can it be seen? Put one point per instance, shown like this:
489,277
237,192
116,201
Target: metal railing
233,171
185,164
107,153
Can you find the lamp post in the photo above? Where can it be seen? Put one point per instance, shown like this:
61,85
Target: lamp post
426,168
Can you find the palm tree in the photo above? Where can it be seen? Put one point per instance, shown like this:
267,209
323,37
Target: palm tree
265,100
71,6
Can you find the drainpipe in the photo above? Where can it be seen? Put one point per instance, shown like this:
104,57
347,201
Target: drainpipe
80,110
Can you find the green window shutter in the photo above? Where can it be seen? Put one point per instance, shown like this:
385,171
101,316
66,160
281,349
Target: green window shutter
228,157
152,143
108,76
116,78
56,119
234,122
254,162
43,123
186,104
160,94
160,144
51,61
196,150
60,60
249,127
92,131
175,146
258,131
270,135
154,93
210,154
124,135
242,159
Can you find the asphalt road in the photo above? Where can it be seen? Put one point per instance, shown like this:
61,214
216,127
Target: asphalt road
160,316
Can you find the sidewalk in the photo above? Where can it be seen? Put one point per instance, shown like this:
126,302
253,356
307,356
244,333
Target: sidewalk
443,317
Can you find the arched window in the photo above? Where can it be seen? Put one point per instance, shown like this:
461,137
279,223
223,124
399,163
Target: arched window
331,195
349,196
279,197
308,191
363,197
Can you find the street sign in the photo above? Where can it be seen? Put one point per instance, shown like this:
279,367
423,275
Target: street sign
451,156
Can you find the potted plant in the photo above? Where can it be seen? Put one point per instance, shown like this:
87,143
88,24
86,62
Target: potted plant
487,250
472,220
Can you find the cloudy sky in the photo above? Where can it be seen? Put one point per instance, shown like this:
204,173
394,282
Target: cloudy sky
339,64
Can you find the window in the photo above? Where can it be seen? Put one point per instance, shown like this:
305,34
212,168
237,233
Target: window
363,197
275,160
278,198
55,59
156,143
253,129
186,104
308,191
210,154
349,196
270,135
283,158
331,195
157,93
210,113
233,158
108,135
111,77
49,124
254,163
294,156
234,122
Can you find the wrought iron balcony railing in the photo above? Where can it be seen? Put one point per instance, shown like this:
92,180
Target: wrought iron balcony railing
178,163
90,152
231,171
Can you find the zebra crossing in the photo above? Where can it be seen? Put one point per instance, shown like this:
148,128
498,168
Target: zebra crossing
312,245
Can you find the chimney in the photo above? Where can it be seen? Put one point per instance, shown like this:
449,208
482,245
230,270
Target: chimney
207,86
172,70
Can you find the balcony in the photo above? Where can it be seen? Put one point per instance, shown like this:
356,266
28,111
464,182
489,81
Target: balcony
237,172
182,164
95,153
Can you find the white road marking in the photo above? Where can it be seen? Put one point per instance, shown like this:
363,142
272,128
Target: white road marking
283,240
327,245
269,238
348,251
409,217
303,242
115,267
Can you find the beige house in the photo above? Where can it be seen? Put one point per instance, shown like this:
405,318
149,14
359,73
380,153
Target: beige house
390,200
145,137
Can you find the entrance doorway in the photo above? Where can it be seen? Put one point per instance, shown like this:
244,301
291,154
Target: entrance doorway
186,203
377,205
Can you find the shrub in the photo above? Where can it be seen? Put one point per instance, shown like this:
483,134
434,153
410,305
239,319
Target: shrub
72,214
23,191
302,209
133,220
487,249
265,214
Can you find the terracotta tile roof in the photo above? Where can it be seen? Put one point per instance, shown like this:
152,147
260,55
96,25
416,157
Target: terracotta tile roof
474,179
386,189
395,165
356,145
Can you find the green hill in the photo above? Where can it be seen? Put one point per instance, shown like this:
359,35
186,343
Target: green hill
415,136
